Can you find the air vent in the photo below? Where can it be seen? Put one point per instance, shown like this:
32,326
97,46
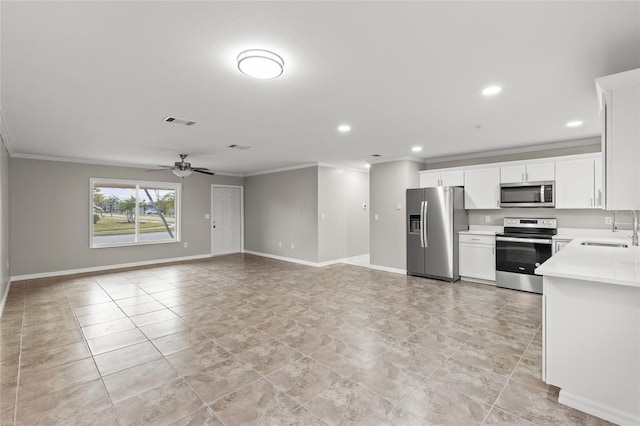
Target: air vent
177,120
376,155
234,146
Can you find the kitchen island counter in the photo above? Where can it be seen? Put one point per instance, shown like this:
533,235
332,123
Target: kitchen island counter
607,265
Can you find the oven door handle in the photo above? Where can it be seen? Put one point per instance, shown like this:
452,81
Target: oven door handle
524,240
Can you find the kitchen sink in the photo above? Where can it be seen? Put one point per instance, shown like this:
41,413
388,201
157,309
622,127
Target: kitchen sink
591,243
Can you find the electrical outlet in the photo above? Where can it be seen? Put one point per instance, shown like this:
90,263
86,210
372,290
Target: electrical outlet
280,244
207,216
292,246
487,219
608,220
375,217
186,245
322,216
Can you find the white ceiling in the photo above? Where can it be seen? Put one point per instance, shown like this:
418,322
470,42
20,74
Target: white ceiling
93,80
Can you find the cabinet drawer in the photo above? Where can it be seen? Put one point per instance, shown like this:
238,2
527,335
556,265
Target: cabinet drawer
478,239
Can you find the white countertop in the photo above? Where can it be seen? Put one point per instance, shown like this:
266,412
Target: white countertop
571,233
478,232
609,265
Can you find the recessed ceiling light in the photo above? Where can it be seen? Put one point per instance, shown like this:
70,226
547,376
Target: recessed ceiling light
367,165
416,149
576,123
491,90
344,128
262,64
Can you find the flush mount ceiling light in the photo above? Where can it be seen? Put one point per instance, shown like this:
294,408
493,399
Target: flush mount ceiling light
344,128
416,149
262,64
491,90
576,123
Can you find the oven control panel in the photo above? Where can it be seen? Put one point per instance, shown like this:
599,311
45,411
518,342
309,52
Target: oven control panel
550,223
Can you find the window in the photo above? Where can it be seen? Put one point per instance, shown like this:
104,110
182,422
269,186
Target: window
124,212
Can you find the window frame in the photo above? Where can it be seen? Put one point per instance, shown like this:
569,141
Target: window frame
176,186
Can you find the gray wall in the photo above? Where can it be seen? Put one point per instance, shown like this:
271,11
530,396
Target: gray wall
4,221
282,208
388,183
344,230
50,216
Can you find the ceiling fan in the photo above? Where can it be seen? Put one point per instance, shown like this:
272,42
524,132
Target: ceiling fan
183,169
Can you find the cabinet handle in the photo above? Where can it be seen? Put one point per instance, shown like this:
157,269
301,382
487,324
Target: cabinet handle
600,197
591,202
522,177
493,249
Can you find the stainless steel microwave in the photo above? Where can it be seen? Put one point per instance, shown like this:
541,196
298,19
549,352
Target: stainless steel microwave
528,194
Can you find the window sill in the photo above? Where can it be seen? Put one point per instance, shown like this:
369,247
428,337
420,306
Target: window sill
132,244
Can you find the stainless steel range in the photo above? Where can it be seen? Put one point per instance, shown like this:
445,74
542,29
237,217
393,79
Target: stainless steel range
523,246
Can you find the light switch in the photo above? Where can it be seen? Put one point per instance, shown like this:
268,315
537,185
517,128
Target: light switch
322,216
375,217
207,216
398,206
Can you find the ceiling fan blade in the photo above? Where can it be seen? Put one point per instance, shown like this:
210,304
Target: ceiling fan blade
203,172
157,170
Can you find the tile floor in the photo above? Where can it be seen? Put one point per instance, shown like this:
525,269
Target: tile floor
244,340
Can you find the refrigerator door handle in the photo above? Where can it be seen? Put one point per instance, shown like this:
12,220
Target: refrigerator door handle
422,224
425,221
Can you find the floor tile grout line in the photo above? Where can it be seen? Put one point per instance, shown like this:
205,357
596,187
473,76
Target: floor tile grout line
511,375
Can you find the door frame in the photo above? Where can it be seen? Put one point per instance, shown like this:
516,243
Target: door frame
241,187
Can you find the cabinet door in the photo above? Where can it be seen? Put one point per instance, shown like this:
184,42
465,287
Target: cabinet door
540,172
512,174
429,180
621,147
575,184
482,188
452,178
478,261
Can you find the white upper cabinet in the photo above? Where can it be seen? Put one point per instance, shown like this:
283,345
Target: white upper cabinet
535,172
620,111
482,188
576,184
430,179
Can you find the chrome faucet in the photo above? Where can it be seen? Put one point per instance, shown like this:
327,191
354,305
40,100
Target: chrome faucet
634,236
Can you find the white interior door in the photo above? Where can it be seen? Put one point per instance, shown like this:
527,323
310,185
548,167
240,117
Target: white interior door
226,220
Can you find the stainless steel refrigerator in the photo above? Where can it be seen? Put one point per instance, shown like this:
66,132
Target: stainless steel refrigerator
434,218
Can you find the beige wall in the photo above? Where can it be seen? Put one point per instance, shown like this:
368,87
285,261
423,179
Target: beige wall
388,183
282,208
50,216
4,222
343,224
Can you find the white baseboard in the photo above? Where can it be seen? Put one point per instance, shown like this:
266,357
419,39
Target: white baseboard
597,409
306,262
107,267
4,298
291,259
387,269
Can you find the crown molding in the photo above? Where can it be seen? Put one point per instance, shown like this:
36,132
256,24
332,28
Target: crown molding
391,159
516,150
282,169
100,162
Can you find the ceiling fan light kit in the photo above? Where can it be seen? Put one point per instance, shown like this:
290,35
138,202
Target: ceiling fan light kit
261,64
183,169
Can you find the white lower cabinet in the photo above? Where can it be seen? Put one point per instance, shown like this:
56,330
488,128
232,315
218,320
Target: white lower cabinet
478,257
